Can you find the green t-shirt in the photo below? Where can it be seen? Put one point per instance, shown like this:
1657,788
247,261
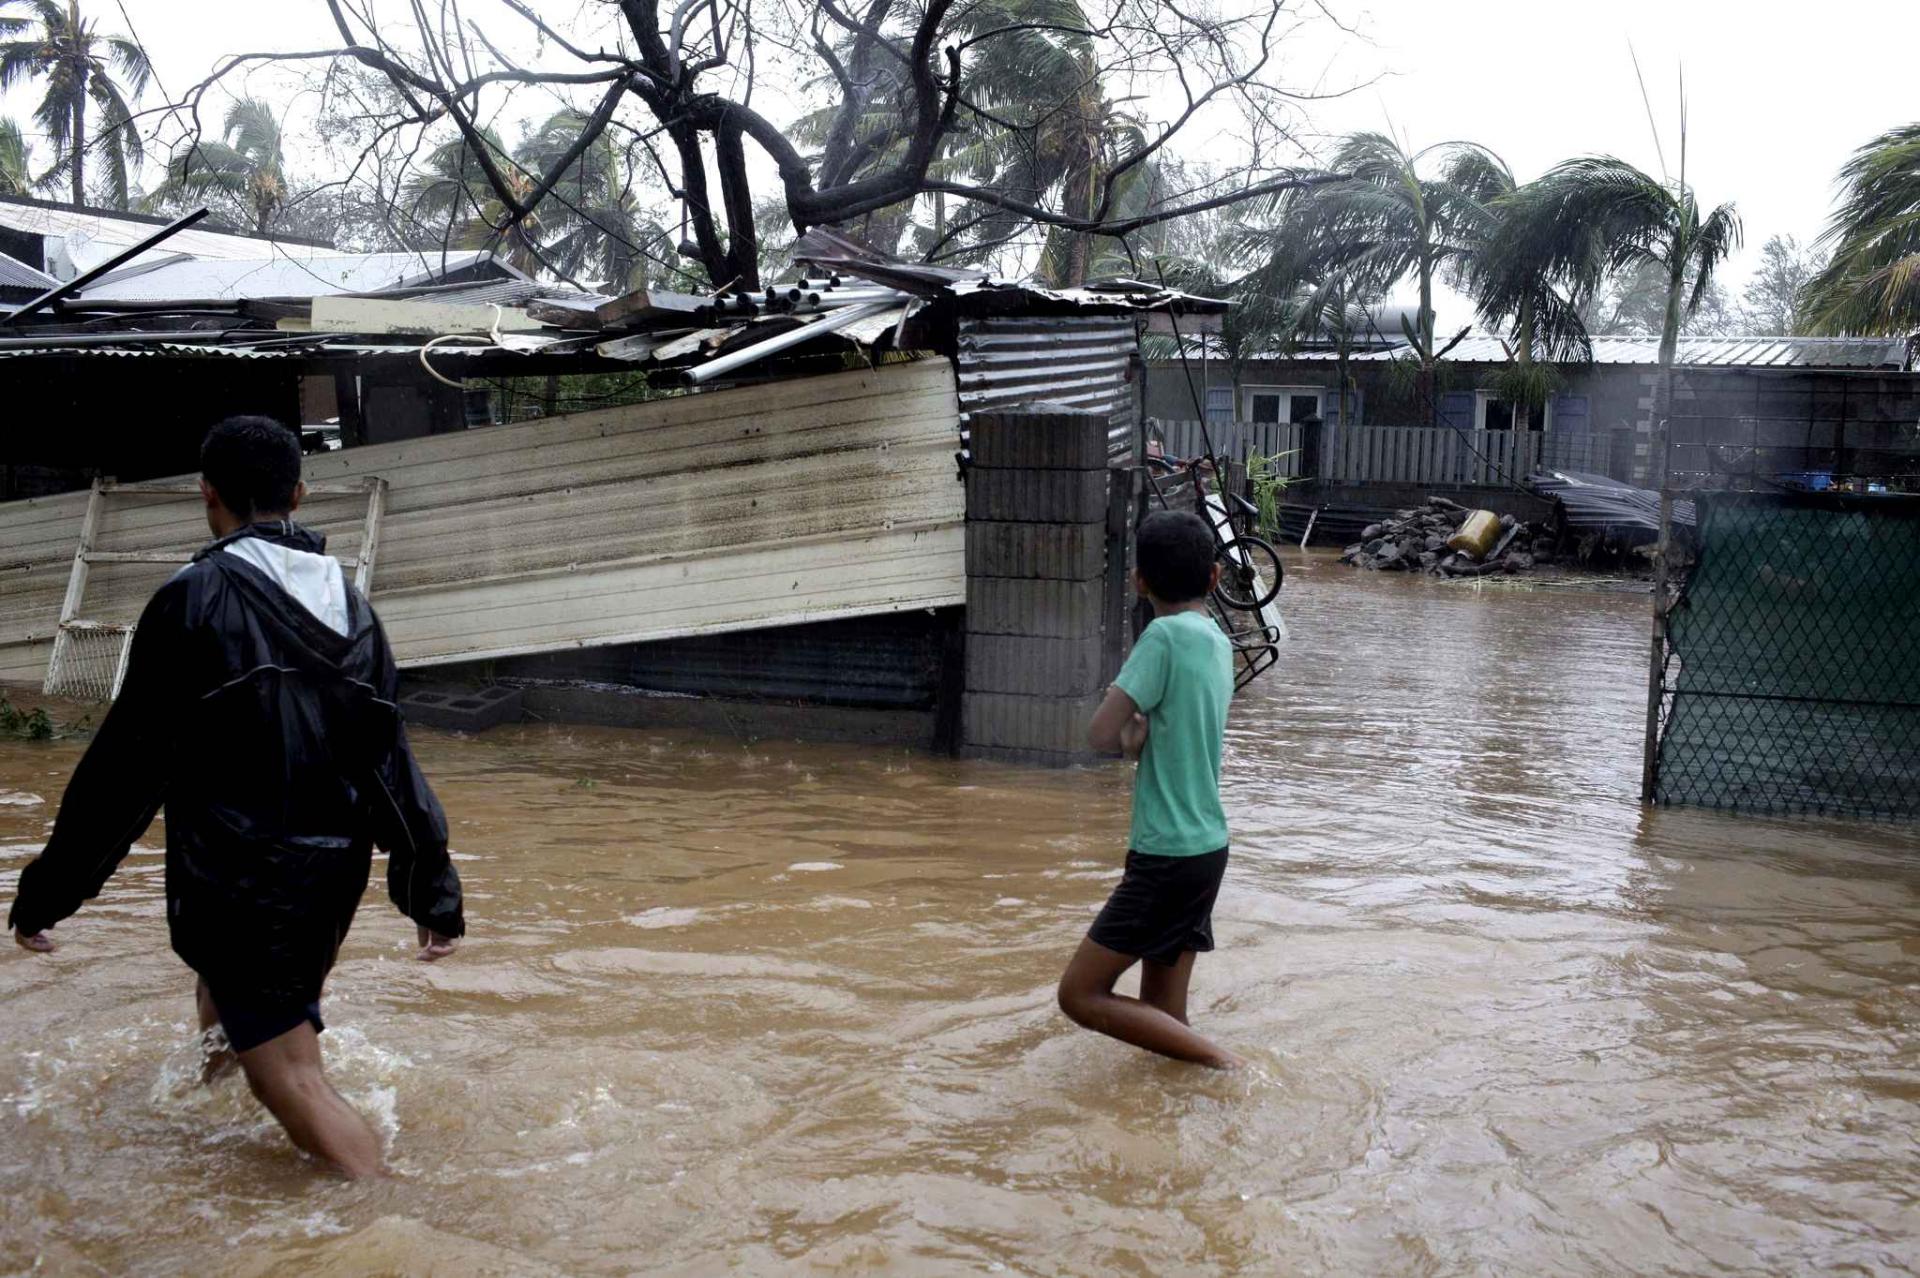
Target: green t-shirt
1181,677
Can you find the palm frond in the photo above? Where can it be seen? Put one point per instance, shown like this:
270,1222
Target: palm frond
252,129
1717,237
14,179
1874,234
131,61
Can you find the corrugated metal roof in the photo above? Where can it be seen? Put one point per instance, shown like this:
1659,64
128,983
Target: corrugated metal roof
1693,352
91,236
17,274
231,279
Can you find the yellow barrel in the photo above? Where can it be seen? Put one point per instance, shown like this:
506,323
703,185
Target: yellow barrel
1477,535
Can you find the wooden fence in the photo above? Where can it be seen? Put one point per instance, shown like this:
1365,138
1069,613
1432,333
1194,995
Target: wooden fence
1236,440
1375,454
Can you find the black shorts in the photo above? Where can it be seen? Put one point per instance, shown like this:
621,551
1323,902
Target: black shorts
1163,906
248,1023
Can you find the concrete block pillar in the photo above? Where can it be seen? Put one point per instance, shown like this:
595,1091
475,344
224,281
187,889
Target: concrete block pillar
1039,608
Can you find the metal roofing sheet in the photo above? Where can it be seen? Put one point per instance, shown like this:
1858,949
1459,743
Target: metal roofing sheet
323,276
1693,352
91,236
1080,361
17,274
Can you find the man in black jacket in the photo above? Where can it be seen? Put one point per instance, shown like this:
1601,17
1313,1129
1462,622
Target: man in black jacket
259,707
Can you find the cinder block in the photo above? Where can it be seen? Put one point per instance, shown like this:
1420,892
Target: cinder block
1038,496
1061,552
1035,606
1008,721
459,709
1033,667
1038,440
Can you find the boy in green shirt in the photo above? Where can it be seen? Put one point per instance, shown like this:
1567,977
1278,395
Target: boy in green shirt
1168,709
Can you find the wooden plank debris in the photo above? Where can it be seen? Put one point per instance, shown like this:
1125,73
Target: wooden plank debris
415,318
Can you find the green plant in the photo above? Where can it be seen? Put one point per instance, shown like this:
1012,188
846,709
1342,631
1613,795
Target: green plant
1264,477
1527,385
28,725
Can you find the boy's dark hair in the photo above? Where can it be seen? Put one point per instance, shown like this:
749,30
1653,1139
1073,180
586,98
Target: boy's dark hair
253,463
1174,550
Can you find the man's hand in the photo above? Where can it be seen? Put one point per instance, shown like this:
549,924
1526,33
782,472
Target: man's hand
433,945
1133,736
39,942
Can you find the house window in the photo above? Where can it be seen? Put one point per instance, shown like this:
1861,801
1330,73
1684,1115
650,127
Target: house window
1280,403
1493,413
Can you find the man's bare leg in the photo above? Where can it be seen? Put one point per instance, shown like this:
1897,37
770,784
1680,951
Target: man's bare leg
213,1065
1165,985
285,1075
1087,997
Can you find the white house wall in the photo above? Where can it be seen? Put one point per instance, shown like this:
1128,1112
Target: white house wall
798,500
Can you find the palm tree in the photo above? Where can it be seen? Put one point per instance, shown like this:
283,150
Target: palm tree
591,221
1872,283
456,207
1039,126
13,160
1388,220
1595,217
67,50
246,165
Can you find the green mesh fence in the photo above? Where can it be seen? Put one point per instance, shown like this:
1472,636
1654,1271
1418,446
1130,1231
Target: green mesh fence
1791,675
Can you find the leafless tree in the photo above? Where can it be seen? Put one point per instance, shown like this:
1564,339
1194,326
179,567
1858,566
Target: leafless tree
1006,116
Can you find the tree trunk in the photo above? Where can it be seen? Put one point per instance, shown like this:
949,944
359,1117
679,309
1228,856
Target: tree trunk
1661,458
1423,330
79,141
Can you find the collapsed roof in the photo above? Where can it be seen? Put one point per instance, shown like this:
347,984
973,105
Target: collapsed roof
373,305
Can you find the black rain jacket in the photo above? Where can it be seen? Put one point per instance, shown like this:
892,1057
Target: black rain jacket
277,747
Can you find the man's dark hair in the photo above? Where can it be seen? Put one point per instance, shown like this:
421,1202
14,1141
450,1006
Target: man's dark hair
1175,553
253,463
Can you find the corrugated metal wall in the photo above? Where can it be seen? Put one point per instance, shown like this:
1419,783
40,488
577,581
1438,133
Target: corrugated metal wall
892,662
770,505
1082,362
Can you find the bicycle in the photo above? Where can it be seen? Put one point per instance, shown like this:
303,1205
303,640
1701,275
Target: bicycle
1250,569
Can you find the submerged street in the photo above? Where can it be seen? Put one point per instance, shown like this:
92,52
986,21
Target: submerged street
762,1007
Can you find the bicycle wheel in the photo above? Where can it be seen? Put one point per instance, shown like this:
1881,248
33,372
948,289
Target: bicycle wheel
1250,574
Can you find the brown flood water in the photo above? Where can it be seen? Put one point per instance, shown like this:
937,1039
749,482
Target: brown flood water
766,1008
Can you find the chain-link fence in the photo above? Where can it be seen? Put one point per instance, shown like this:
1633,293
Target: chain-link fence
1790,672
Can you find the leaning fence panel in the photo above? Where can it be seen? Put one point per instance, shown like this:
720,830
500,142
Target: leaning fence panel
1790,679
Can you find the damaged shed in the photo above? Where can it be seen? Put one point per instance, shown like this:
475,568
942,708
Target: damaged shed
790,464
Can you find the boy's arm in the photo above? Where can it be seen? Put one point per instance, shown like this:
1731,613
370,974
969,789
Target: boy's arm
120,782
1120,725
1106,734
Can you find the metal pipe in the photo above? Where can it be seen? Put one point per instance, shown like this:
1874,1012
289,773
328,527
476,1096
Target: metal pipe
85,278
184,337
724,364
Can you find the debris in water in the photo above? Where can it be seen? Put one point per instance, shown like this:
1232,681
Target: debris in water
1444,539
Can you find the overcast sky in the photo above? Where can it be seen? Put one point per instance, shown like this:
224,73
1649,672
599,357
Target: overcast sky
1779,93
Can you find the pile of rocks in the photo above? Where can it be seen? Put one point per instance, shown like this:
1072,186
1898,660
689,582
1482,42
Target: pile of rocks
1416,541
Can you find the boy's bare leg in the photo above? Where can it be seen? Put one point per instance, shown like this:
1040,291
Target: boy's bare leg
1165,985
216,1065
1087,997
284,1074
